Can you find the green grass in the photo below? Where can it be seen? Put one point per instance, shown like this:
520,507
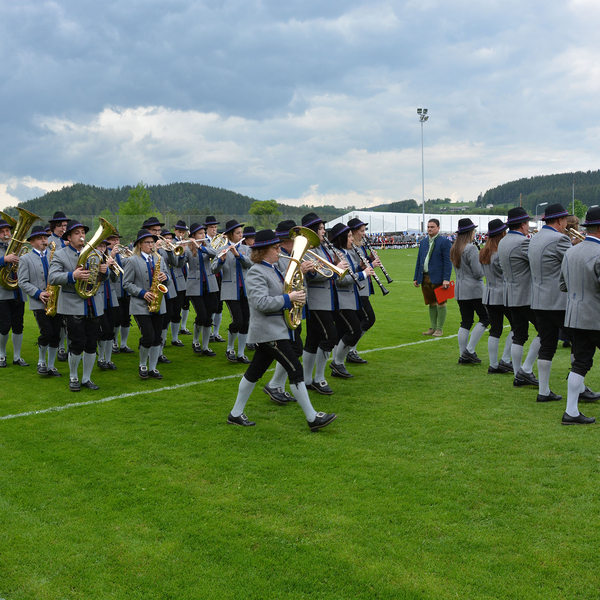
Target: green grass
436,481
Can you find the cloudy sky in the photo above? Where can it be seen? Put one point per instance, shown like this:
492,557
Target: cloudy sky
298,100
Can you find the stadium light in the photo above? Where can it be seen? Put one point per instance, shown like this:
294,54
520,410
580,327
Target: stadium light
422,112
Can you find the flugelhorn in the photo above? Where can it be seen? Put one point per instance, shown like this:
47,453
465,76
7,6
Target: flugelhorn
169,246
575,233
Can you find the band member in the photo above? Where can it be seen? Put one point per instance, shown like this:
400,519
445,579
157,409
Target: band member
580,274
269,331
493,298
58,226
202,287
514,262
347,319
123,318
469,291
111,313
33,280
211,225
366,312
83,315
179,277
139,276
232,261
249,236
321,332
12,304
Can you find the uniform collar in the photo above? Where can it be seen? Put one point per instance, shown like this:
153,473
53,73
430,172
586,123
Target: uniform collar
589,238
517,232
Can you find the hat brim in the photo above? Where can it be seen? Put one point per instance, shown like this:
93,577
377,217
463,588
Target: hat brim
143,237
233,227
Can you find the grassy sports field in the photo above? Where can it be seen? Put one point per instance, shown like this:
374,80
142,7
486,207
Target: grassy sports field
436,481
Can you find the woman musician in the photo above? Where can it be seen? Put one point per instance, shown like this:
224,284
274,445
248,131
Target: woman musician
269,331
137,281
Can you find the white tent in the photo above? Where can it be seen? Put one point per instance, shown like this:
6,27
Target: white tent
389,222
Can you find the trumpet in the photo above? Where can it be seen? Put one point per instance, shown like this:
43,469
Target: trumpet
115,268
341,257
124,251
169,246
575,233
227,248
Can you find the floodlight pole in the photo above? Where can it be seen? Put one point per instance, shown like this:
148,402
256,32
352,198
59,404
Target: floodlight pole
422,112
536,211
573,196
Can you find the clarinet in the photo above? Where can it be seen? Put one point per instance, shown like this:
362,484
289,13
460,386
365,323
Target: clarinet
370,249
363,260
340,256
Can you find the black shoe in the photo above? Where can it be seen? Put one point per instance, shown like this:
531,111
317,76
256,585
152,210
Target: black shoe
211,338
74,385
116,349
470,357
110,365
126,350
495,370
463,361
231,357
62,355
251,347
551,397
53,372
90,385
518,382
2,362
588,396
529,378
321,420
506,366
276,395
20,363
155,374
197,348
185,331
241,420
340,371
320,387
566,344
353,357
143,371
218,338
580,419
244,360
164,360
102,365
178,343
42,369
208,352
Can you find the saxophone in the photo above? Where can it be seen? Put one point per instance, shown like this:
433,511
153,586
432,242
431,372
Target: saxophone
53,290
157,288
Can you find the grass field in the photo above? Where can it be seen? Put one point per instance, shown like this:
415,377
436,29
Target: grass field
436,481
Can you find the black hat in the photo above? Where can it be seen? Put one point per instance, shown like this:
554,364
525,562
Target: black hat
356,223
231,225
338,230
210,220
47,229
36,231
517,215
196,227
167,232
555,211
144,233
592,217
283,229
181,225
249,231
465,225
3,223
73,224
266,237
311,219
496,227
58,216
152,222
112,235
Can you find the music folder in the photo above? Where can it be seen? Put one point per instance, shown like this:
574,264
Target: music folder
442,295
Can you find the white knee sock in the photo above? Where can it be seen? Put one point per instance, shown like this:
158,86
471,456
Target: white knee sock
217,318
196,336
3,343
52,352
340,353
42,355
88,365
463,338
184,318
476,335
116,335
301,394
144,353
244,390
279,377
174,332
242,338
544,368
493,344
153,357
516,353
124,336
17,340
108,350
320,364
230,341
205,337
74,360
507,345
101,350
63,337
163,335
532,355
575,381
308,365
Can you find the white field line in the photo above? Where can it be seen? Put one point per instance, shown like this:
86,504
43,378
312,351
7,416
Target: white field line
184,385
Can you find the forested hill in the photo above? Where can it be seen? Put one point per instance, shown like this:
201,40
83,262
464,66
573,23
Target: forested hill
547,188
178,198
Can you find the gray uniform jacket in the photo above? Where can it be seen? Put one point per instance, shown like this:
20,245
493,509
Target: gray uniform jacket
322,293
62,266
469,276
137,280
232,271
348,292
199,271
109,299
33,280
267,302
4,293
56,240
118,285
178,273
368,287
580,278
546,252
514,261
493,293
170,260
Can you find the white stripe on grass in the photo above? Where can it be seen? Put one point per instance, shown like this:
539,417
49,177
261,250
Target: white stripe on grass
184,385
